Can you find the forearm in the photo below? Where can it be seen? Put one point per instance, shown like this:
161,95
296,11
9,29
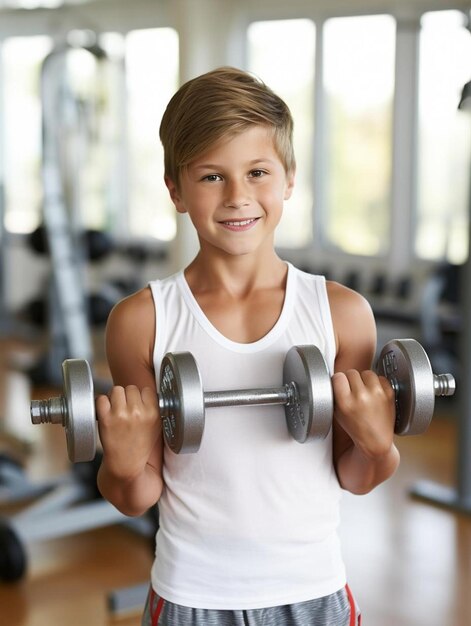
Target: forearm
132,496
359,472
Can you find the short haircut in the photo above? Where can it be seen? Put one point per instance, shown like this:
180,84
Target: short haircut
219,105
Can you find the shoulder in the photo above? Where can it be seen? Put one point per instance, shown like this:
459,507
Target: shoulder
132,311
353,321
345,301
130,328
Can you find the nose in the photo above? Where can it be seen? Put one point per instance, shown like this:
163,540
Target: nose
237,195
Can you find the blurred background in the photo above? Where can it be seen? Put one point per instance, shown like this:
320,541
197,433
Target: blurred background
379,92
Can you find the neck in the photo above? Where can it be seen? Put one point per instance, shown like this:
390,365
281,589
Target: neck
235,274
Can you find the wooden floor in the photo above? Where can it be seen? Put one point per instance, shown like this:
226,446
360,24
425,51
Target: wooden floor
409,563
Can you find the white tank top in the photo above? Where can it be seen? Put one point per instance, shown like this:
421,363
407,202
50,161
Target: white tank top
250,520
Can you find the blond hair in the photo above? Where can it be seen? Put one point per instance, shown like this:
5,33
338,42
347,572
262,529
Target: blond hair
216,106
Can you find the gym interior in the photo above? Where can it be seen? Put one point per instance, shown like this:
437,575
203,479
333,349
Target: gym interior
381,96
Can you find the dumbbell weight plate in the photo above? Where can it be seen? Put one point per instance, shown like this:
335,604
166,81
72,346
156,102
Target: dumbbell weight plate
407,367
79,417
310,417
181,400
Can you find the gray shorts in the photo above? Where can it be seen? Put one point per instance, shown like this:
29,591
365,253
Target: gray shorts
337,609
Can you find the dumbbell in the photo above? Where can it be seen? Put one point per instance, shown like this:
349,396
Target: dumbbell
306,395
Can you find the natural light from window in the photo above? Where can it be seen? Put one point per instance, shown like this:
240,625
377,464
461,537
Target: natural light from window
359,61
21,59
282,53
151,78
444,138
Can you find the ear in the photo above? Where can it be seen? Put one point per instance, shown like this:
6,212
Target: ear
290,176
174,194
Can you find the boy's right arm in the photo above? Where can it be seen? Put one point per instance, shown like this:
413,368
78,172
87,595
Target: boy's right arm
130,476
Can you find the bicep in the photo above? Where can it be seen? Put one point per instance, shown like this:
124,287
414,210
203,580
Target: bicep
129,337
129,340
355,332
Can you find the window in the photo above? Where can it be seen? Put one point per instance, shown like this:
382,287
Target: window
444,138
359,59
282,54
21,59
103,187
152,78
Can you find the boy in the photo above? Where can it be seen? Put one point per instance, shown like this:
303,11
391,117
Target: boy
248,525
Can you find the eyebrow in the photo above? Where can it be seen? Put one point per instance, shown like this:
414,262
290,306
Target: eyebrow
215,166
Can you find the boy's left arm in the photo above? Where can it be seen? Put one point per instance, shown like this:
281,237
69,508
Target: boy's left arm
364,410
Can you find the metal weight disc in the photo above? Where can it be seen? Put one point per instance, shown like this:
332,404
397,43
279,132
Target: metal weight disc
310,415
181,402
407,367
79,418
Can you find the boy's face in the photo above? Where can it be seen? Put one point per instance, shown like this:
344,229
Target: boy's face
234,192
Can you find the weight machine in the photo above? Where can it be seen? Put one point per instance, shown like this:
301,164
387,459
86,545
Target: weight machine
63,114
69,503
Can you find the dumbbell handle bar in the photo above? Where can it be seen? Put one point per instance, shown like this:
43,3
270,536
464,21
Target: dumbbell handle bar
269,395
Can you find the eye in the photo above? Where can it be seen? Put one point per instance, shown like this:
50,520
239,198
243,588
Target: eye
212,178
257,173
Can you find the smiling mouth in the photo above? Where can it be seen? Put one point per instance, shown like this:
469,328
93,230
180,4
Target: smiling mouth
240,223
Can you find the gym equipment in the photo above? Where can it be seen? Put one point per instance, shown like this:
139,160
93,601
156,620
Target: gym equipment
98,303
124,600
12,555
306,395
75,133
97,244
60,235
15,486
406,365
67,505
75,410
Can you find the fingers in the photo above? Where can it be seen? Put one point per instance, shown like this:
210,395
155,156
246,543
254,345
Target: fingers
364,407
125,395
129,428
387,388
149,396
354,380
102,405
126,400
354,390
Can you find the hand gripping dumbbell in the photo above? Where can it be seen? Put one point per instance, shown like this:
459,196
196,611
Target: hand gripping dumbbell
306,394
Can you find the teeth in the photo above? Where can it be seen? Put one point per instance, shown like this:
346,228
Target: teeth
242,223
